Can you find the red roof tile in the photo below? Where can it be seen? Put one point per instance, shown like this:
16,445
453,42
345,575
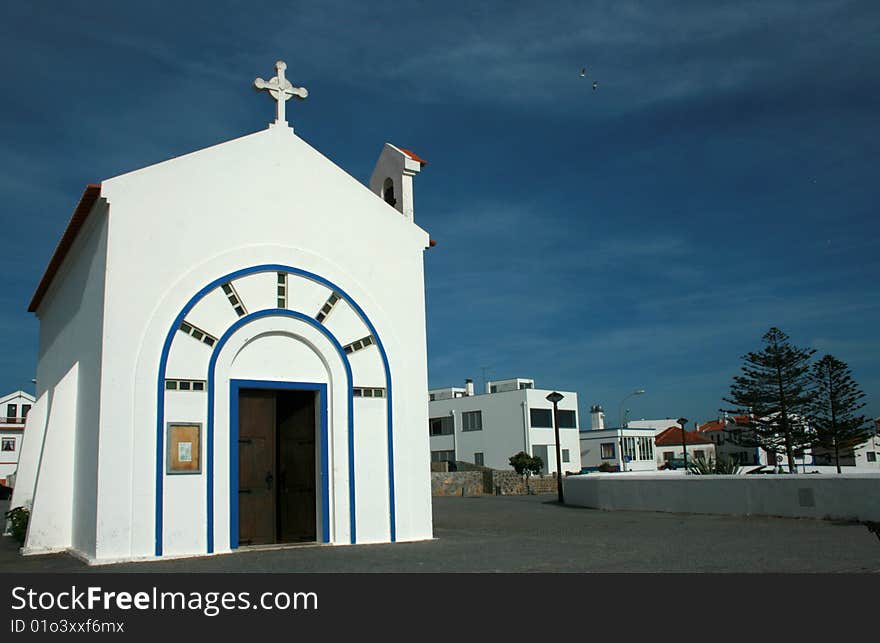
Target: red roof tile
413,156
718,425
672,437
80,214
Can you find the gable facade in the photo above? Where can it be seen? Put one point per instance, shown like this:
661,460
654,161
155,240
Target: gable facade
254,264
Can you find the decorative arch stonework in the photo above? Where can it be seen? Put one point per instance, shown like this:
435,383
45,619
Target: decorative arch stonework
310,317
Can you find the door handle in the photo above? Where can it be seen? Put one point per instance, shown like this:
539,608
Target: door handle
269,479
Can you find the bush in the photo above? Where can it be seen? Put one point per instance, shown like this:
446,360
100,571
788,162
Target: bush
19,518
605,467
721,466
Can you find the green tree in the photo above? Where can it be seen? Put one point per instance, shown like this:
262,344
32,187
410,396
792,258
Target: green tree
834,410
526,465
774,391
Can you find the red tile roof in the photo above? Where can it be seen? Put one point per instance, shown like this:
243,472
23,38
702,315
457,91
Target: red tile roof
719,425
708,427
80,214
414,156
672,437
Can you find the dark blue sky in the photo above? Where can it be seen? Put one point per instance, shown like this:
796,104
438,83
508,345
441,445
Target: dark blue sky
722,179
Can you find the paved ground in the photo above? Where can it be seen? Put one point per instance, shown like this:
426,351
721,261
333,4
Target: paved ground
534,534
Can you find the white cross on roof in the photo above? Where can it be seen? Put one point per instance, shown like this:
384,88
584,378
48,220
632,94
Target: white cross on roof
281,90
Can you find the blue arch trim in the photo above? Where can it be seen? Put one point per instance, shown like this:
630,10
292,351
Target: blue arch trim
163,363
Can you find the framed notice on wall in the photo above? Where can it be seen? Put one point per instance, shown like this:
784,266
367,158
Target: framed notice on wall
184,447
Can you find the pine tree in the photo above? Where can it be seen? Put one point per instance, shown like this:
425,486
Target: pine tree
773,390
833,412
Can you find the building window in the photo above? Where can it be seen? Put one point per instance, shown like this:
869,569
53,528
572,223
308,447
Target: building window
606,450
443,456
472,421
282,290
458,394
872,456
668,455
493,389
360,391
566,456
358,345
541,418
646,448
430,397
440,426
567,419
8,444
11,411
327,307
234,299
478,459
525,385
25,409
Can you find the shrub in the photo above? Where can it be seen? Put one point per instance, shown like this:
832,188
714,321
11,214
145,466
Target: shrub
605,467
19,518
721,466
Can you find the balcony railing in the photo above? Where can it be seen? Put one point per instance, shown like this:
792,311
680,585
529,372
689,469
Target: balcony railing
4,420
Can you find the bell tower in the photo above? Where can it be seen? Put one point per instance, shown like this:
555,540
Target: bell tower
392,178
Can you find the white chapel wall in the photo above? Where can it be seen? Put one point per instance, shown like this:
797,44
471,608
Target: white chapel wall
70,352
30,452
224,209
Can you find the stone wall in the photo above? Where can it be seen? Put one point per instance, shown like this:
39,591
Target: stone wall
457,483
488,482
544,484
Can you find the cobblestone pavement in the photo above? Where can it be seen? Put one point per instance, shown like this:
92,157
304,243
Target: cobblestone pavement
535,534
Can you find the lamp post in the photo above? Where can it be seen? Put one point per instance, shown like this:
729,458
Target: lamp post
683,422
638,391
555,398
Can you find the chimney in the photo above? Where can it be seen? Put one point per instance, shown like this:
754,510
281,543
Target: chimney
392,178
597,417
469,387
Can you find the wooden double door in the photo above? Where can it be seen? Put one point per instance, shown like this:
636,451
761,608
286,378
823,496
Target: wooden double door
277,500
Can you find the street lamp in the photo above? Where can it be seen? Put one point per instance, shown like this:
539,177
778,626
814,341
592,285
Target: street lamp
682,422
555,398
638,391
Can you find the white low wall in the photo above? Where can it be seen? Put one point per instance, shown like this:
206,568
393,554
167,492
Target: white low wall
842,497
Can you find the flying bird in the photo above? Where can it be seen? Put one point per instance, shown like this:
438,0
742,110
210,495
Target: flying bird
595,84
583,71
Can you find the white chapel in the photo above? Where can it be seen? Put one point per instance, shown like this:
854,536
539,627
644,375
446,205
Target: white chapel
232,353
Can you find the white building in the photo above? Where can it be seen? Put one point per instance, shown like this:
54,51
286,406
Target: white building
232,352
721,432
512,416
621,449
862,456
15,408
867,455
657,425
